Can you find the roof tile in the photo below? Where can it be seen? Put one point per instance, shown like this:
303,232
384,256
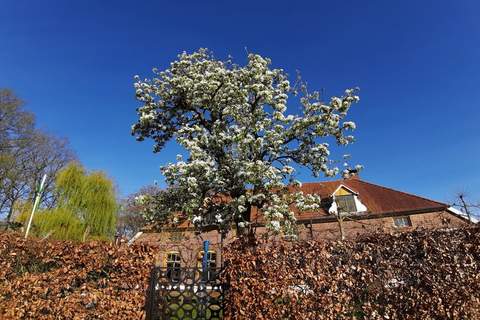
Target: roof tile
377,199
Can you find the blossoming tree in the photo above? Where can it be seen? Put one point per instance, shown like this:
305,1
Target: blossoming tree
242,145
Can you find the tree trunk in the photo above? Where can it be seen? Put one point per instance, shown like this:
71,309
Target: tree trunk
222,237
465,207
340,225
247,234
85,234
310,227
10,211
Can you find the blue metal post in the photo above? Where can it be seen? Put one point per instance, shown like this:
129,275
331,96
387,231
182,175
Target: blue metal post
204,298
206,244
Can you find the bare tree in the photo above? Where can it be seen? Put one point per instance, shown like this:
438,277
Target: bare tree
16,129
129,217
16,124
463,203
50,155
26,154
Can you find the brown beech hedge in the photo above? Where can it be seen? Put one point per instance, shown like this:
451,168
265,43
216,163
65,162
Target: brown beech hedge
66,280
417,275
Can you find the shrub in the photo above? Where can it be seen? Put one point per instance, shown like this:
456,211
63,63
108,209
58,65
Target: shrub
418,275
52,279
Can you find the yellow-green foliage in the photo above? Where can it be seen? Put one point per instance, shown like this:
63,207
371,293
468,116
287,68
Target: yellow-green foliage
61,223
86,207
100,204
70,185
57,223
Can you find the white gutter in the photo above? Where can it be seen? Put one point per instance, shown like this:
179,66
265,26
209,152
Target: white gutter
462,214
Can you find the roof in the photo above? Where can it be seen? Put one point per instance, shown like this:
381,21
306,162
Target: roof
379,200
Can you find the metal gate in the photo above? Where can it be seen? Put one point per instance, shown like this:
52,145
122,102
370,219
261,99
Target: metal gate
184,293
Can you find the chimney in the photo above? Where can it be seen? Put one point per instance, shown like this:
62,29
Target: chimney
355,176
352,174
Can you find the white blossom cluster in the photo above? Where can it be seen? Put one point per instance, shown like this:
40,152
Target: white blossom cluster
242,145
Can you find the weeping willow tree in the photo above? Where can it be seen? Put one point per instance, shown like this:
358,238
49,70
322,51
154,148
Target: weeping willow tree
86,207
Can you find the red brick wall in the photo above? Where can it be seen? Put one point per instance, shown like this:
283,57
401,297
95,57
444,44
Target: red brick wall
189,244
352,229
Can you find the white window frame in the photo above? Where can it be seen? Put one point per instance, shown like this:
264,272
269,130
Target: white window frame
405,222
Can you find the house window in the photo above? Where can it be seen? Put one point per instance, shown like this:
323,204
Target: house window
402,222
173,266
346,203
211,264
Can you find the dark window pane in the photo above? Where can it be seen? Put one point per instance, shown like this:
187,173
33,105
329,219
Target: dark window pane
173,266
346,203
211,265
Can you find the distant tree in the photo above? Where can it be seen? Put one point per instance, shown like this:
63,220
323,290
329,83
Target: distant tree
26,154
44,154
465,205
16,130
16,124
129,218
89,196
85,209
232,121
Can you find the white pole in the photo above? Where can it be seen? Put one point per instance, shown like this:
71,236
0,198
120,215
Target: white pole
35,204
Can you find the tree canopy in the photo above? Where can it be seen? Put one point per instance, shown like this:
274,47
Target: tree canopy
16,124
242,144
129,217
26,154
86,206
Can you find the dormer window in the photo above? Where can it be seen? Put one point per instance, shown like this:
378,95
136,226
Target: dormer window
346,203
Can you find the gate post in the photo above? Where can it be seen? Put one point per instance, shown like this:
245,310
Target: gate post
206,245
151,303
203,282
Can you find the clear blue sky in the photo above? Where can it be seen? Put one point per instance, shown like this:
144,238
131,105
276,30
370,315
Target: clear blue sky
416,62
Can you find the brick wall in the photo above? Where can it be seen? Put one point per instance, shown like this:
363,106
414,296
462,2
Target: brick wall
352,229
189,244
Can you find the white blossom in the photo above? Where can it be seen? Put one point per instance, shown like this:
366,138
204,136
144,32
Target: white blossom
349,125
140,199
275,225
196,219
233,123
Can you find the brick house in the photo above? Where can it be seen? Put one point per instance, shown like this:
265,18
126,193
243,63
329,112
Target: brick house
370,207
